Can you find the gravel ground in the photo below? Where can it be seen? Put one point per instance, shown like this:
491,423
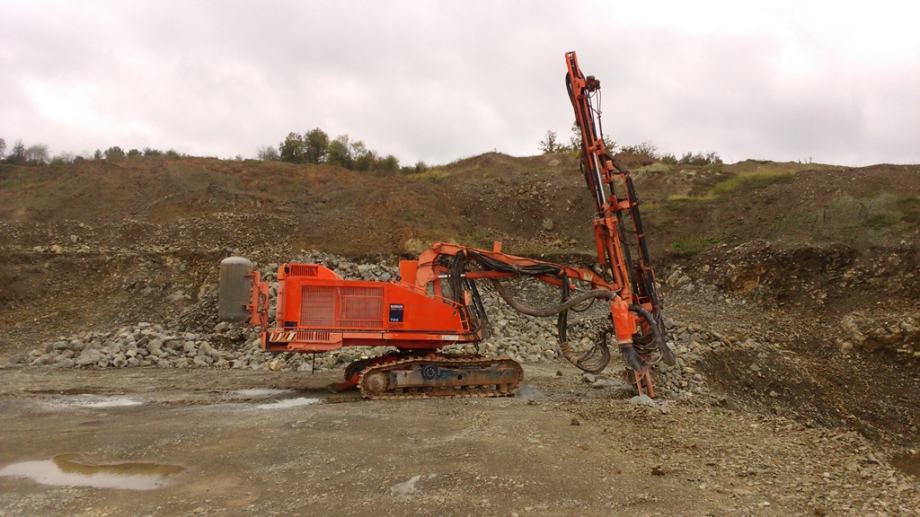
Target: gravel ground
564,446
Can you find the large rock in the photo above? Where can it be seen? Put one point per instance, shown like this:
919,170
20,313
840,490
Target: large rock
88,357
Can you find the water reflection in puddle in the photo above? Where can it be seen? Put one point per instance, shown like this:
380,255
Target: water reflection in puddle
68,470
91,402
108,402
288,403
256,393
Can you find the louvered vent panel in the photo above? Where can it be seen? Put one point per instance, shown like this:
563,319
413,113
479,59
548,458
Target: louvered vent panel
303,270
317,306
362,307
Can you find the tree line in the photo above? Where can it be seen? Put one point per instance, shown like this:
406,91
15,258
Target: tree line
629,155
316,147
38,154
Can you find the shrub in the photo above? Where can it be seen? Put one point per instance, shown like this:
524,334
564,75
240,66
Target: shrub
267,153
114,153
710,158
315,142
339,152
292,148
550,143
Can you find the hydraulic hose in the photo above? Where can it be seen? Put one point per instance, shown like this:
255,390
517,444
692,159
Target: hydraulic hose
592,361
656,337
640,310
555,309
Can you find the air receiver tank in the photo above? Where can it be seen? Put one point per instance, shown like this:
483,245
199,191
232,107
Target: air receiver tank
233,294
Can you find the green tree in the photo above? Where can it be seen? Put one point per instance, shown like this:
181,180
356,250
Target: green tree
575,141
389,163
97,155
2,148
37,154
338,152
315,141
363,158
292,148
267,153
152,152
114,153
18,155
63,158
550,143
134,153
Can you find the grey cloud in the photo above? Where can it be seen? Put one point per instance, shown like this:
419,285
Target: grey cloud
441,80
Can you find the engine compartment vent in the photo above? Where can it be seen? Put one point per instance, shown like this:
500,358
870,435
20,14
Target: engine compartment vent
303,270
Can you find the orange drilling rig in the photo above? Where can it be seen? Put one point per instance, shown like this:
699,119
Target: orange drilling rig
436,302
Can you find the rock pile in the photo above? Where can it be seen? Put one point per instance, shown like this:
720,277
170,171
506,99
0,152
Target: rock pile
891,333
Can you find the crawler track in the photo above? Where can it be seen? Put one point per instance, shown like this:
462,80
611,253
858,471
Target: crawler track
448,377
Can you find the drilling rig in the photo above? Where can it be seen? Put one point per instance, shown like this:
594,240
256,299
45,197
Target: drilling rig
436,302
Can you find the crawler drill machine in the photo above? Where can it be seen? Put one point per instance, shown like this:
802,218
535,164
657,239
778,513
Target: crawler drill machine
436,303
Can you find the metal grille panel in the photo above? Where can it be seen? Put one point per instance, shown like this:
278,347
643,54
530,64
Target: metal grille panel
317,306
304,270
314,335
362,307
341,307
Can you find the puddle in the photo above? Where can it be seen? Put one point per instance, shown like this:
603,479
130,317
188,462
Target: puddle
68,470
256,393
108,402
908,463
94,402
288,403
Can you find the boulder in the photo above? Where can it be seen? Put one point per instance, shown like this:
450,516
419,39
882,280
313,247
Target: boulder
89,357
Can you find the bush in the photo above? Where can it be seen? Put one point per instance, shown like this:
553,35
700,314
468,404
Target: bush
550,143
114,153
637,155
267,153
315,142
389,163
63,158
710,158
292,148
314,146
339,152
668,158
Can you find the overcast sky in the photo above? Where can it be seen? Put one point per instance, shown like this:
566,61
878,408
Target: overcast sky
832,81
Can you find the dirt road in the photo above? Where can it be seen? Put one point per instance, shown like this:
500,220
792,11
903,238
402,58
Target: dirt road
280,443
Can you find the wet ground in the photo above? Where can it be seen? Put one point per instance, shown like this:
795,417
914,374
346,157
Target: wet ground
166,442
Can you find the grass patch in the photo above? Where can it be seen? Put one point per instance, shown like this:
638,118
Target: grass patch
691,247
909,207
754,179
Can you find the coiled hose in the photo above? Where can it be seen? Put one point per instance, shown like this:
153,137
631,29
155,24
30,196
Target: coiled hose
597,357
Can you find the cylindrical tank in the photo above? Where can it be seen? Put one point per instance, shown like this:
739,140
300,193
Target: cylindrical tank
233,294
